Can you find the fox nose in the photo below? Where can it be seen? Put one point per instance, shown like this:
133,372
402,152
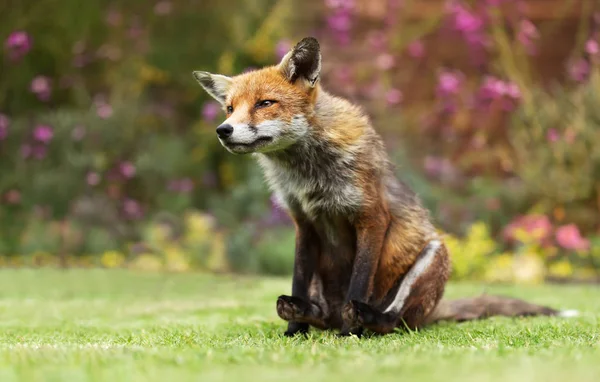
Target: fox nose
224,131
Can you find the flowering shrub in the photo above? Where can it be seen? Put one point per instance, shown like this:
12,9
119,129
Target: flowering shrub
107,143
102,126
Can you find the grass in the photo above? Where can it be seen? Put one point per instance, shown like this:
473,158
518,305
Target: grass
99,325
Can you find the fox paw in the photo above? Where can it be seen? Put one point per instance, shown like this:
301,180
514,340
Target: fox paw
291,308
356,313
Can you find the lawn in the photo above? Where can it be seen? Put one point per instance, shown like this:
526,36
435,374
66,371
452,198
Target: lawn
92,325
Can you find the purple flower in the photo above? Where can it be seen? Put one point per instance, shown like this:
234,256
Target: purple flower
18,44
438,167
591,47
43,133
41,87
579,70
4,123
184,186
127,169
132,209
39,152
92,178
163,8
416,49
282,48
210,110
449,83
394,96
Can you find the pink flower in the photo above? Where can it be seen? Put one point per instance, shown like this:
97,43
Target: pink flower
210,110
448,83
4,124
18,44
466,21
438,167
78,133
163,8
513,91
114,18
552,135
527,34
340,21
92,178
43,133
343,4
393,96
26,151
104,110
569,237
41,87
132,209
591,47
579,70
282,48
385,61
13,196
493,88
127,169
538,227
377,40
416,49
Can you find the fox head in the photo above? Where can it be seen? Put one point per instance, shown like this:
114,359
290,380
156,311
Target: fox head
271,108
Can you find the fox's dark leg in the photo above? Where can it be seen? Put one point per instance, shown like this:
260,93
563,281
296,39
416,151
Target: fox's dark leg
305,263
370,235
421,289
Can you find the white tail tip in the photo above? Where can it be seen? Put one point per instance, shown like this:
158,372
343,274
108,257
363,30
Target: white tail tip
568,313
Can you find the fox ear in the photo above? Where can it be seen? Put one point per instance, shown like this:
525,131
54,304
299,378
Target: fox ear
303,61
215,84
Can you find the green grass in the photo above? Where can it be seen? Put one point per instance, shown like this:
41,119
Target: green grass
121,326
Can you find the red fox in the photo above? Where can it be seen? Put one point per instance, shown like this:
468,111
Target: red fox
367,255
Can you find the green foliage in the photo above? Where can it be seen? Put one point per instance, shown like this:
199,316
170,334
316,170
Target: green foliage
276,251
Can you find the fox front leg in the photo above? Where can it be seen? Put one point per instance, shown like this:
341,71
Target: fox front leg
298,309
370,235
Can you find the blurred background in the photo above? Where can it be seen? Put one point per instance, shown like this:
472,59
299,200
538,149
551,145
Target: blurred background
108,156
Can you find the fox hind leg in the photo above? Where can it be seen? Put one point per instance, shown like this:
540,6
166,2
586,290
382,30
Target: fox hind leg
417,296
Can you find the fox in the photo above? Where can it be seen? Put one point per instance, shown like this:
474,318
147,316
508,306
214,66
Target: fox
367,255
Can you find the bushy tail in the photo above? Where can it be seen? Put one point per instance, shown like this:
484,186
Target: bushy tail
475,308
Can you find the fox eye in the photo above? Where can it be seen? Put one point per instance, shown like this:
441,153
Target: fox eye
229,109
265,103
